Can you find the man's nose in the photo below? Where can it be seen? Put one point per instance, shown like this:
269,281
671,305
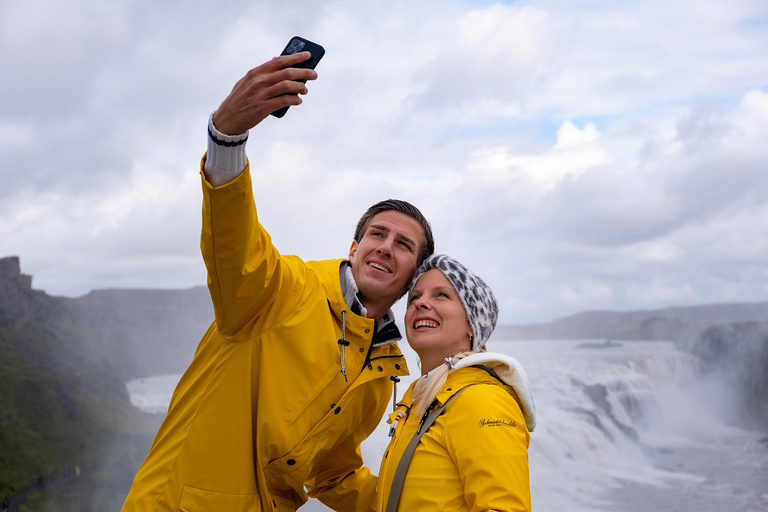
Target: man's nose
385,248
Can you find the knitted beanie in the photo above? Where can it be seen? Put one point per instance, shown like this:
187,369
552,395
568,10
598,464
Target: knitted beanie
476,296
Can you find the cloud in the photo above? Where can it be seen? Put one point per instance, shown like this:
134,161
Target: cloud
602,155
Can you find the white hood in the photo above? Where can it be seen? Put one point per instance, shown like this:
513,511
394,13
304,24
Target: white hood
511,372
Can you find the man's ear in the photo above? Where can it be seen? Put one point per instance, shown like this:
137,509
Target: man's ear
352,249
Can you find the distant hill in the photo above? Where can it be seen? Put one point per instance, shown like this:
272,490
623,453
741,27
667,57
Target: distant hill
680,324
140,333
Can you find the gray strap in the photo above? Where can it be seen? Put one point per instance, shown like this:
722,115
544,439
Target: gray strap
405,460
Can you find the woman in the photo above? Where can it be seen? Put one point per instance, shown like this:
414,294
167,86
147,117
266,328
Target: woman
469,416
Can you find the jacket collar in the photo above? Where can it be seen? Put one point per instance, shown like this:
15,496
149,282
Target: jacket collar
386,330
350,290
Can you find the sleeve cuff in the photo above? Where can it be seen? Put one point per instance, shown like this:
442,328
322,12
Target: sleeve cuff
226,158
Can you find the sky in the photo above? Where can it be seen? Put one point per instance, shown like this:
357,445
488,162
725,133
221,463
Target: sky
578,155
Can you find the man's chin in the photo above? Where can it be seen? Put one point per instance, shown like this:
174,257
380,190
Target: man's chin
379,289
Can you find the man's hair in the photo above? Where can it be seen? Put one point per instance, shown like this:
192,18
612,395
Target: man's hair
396,205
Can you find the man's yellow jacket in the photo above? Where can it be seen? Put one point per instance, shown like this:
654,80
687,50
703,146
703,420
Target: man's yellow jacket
264,414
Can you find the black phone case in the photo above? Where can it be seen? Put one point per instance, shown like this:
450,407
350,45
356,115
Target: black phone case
317,52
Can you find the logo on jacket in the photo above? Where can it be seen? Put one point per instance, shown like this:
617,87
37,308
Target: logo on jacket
496,423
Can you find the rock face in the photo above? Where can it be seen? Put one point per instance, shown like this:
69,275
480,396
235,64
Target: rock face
15,293
58,410
131,333
63,367
739,353
679,324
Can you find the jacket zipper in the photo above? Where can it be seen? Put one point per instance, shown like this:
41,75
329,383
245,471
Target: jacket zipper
367,361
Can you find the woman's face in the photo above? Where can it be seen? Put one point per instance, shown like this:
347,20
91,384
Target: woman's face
435,322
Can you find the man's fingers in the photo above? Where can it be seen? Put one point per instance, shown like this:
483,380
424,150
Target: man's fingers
276,103
286,100
294,74
264,89
285,61
289,87
279,69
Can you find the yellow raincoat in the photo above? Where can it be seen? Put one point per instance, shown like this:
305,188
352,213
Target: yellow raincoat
264,409
474,457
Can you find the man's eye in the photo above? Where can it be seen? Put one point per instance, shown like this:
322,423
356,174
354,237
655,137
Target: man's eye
413,298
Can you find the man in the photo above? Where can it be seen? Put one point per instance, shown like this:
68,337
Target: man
295,371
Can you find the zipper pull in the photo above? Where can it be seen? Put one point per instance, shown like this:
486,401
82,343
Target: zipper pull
392,428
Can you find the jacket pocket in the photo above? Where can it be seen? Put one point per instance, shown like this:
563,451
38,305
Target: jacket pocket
313,394
200,500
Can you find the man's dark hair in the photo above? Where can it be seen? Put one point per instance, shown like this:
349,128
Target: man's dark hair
396,205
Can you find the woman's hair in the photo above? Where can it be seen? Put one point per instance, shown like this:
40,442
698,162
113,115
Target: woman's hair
427,387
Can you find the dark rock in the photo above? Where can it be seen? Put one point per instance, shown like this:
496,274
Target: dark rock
739,353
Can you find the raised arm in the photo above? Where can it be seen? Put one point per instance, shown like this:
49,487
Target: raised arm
244,269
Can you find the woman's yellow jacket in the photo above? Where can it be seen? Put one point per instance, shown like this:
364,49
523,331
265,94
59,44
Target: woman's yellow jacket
264,412
474,457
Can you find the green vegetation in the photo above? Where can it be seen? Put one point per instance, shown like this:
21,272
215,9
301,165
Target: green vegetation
58,412
69,437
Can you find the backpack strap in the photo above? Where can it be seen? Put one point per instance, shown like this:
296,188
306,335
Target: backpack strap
405,460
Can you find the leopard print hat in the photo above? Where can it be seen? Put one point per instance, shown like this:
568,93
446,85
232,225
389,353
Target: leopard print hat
476,296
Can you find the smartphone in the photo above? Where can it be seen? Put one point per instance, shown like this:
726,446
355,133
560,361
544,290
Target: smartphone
299,44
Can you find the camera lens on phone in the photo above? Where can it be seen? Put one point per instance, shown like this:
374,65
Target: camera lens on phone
295,42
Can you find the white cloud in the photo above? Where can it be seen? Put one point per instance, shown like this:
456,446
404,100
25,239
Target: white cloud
647,295
605,155
584,293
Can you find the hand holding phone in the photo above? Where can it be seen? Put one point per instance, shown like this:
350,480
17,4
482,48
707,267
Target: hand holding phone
253,99
299,44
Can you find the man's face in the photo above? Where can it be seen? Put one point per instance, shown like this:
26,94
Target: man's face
384,261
